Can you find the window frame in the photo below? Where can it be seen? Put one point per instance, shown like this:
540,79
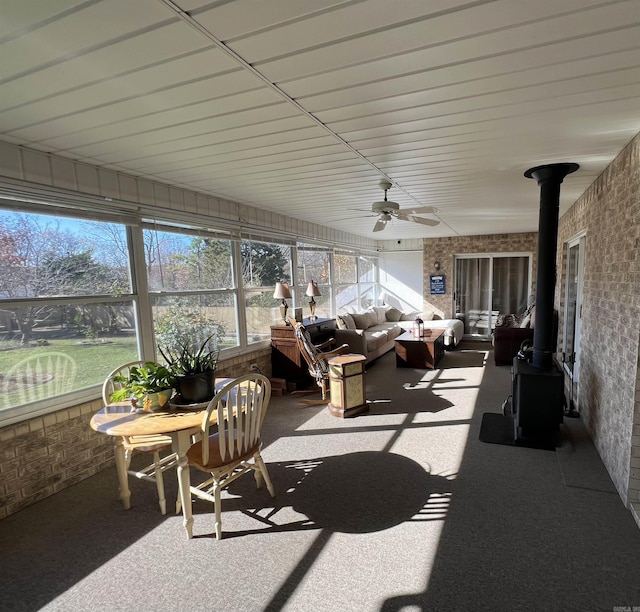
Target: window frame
41,407
135,222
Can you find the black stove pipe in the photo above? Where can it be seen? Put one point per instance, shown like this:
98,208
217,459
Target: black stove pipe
549,178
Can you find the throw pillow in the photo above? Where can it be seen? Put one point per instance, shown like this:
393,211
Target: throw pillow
427,316
340,322
410,316
371,319
380,313
348,321
360,320
516,320
526,321
393,314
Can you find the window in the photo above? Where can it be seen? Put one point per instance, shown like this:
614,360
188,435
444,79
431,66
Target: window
367,280
346,281
263,265
65,289
355,281
314,264
79,298
190,278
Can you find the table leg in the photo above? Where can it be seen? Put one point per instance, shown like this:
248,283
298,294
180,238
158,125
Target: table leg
181,444
123,478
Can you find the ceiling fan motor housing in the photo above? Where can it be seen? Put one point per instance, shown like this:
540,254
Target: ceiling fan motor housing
386,206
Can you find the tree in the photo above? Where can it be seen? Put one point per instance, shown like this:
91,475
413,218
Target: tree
40,259
263,264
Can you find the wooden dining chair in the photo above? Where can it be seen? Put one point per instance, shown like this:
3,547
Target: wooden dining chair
38,377
151,445
230,443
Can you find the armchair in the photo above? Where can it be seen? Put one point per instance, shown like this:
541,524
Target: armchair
509,336
507,341
316,356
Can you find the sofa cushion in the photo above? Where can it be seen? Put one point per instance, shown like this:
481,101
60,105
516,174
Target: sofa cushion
391,330
393,314
375,339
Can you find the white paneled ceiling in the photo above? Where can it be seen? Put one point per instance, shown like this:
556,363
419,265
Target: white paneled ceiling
303,106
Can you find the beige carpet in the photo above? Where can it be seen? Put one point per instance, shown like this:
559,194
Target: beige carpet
400,509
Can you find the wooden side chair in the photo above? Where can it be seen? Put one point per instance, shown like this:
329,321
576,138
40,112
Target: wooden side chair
151,445
230,443
316,358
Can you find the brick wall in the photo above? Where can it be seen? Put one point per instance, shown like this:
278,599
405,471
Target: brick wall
608,390
44,455
443,250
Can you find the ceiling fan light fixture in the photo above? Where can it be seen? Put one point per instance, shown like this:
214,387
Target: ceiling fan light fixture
387,210
384,206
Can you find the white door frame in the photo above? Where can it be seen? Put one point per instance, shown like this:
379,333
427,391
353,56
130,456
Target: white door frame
578,241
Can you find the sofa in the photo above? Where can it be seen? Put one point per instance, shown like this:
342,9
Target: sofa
372,333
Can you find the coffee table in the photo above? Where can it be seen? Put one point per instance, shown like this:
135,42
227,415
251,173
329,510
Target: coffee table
423,352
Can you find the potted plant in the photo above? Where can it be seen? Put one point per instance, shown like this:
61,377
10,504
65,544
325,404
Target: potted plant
194,367
148,386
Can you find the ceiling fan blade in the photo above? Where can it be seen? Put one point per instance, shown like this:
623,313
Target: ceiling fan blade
350,218
380,224
420,220
424,210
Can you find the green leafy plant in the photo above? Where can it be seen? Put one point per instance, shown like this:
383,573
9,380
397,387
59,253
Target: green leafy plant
142,380
185,358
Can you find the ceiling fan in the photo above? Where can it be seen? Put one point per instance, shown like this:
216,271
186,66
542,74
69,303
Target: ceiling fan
389,210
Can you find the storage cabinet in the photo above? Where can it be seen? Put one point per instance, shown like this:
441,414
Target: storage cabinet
286,360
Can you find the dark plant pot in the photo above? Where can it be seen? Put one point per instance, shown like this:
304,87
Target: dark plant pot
197,388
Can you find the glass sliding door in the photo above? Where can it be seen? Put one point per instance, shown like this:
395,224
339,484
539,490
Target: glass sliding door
472,292
510,282
489,285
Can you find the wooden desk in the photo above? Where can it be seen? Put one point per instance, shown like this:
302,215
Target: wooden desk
117,420
286,360
424,352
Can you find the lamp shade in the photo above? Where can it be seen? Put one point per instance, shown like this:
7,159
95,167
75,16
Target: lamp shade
282,291
312,289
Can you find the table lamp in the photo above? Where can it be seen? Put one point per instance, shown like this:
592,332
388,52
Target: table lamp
283,292
312,291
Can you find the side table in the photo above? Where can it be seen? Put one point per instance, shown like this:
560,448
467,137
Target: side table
346,385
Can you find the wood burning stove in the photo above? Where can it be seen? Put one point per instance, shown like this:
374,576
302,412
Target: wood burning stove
537,387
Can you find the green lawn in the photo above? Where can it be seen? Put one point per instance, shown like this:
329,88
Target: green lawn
93,361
